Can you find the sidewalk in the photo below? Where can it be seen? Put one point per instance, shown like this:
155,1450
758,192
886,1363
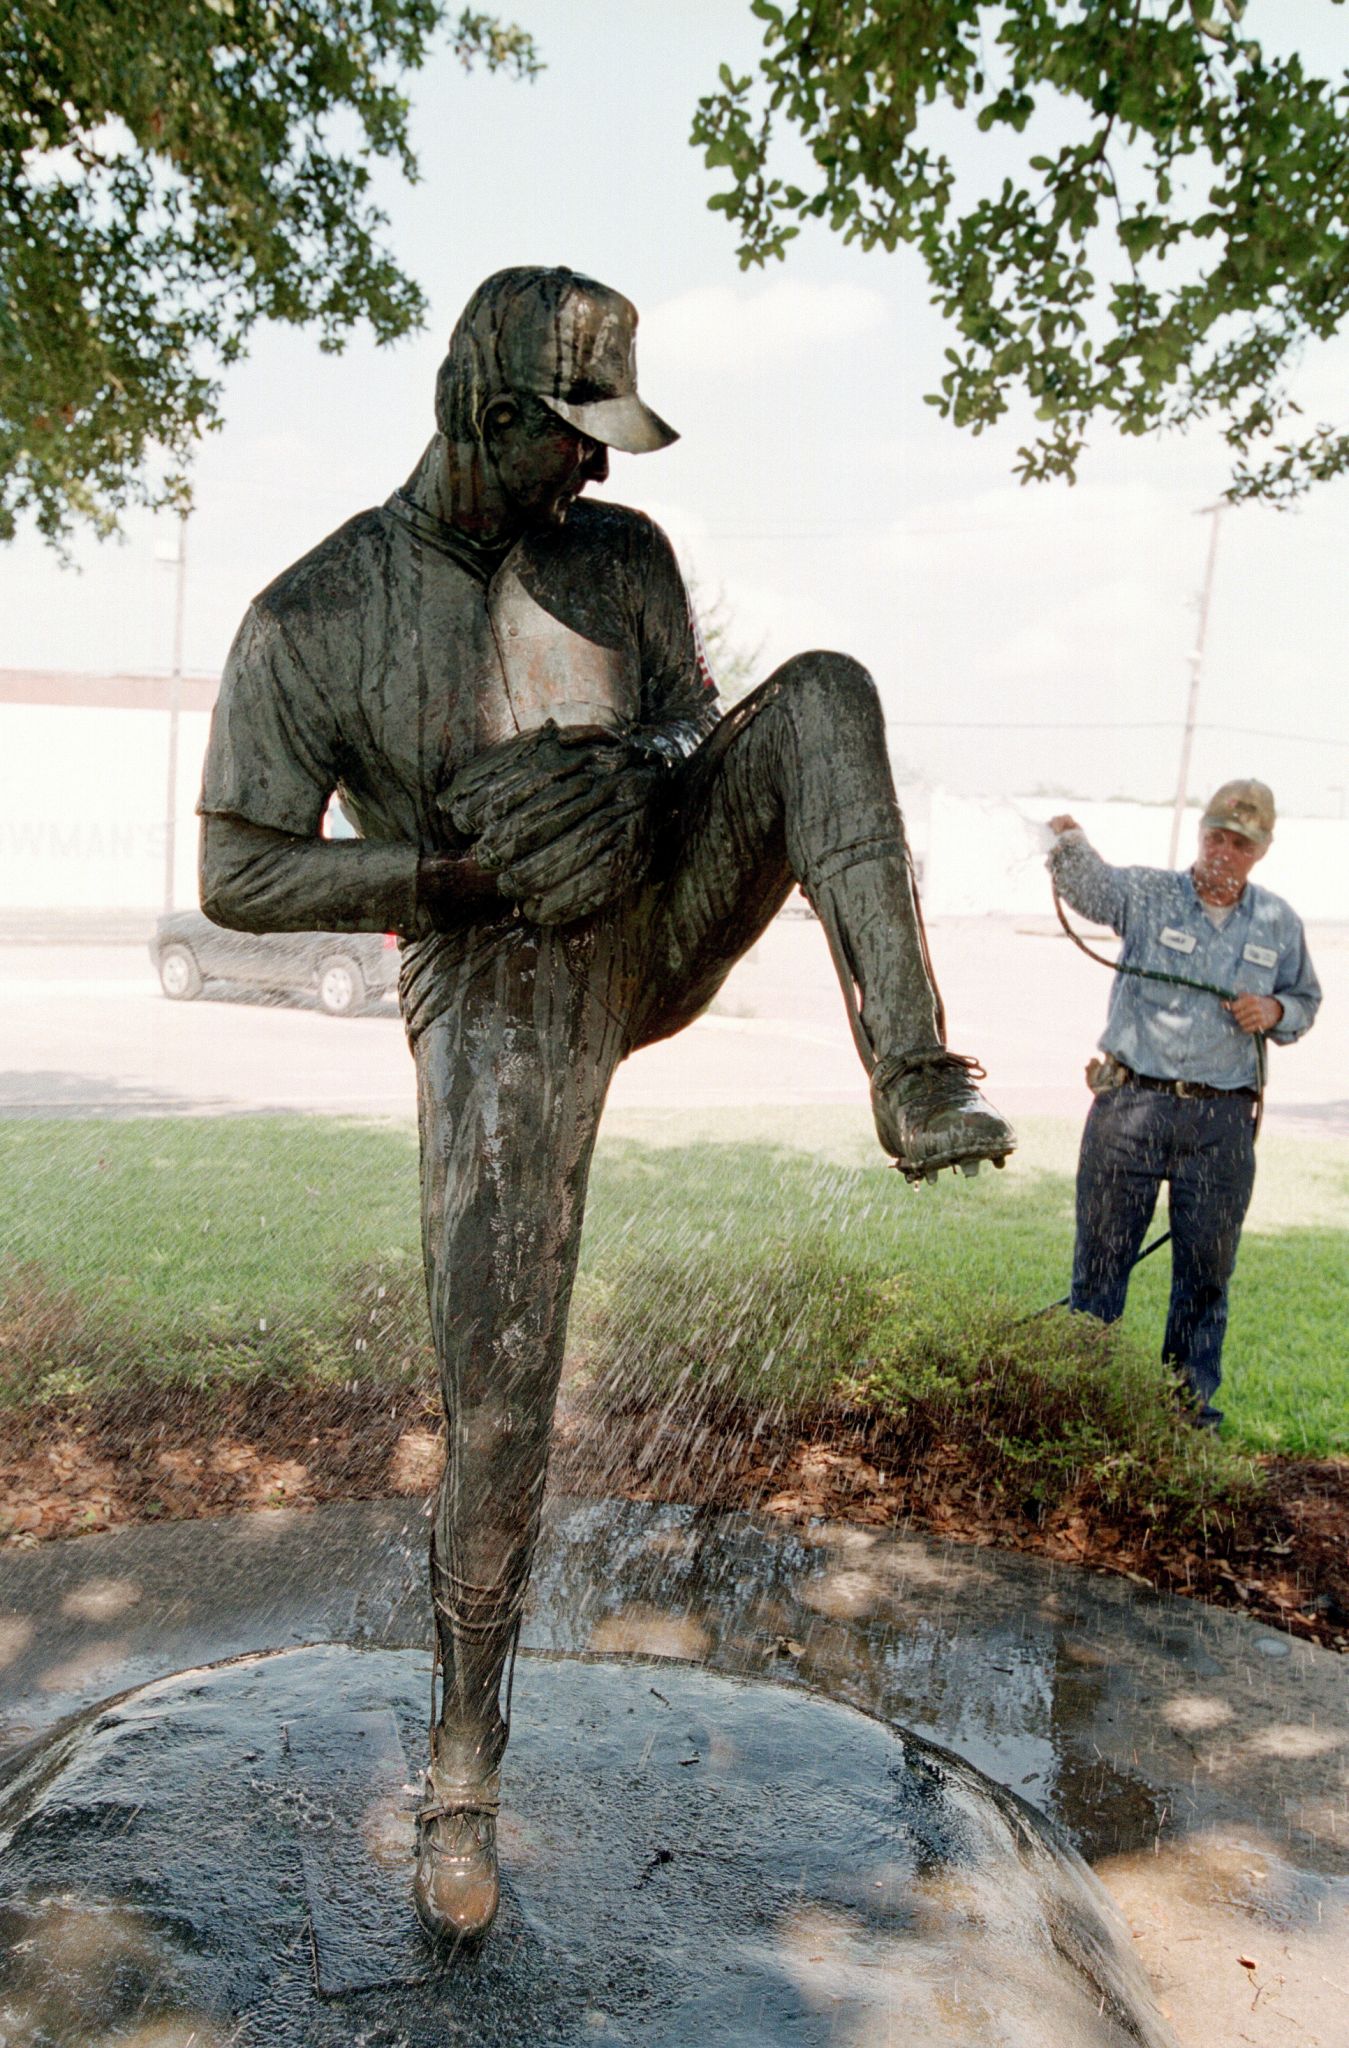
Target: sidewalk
76,927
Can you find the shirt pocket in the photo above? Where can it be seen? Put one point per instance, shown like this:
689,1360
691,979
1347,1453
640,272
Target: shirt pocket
1256,969
1161,953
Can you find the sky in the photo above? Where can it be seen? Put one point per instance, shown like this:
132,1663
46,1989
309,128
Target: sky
1023,638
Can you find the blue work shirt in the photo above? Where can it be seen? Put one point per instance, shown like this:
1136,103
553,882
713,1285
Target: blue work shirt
1177,1034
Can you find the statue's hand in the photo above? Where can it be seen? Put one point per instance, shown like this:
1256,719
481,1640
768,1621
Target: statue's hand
564,820
513,778
453,889
586,868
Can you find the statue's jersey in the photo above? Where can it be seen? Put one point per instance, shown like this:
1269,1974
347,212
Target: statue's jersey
381,662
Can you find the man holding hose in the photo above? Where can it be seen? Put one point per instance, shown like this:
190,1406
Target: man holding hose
1177,1086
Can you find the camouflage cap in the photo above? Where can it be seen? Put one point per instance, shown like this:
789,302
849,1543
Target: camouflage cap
1245,806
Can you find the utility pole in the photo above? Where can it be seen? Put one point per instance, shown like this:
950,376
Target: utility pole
1213,512
175,708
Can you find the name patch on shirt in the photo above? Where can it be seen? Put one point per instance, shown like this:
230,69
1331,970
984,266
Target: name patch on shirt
1179,942
1260,956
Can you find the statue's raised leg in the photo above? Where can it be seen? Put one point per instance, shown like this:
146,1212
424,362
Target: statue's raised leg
795,786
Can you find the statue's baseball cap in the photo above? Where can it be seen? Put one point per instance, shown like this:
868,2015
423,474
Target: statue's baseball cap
1244,806
569,340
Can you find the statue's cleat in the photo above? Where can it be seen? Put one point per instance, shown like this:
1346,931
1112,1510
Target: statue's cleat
457,1888
930,1116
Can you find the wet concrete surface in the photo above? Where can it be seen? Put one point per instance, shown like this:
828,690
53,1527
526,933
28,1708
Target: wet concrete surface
690,1859
1200,1763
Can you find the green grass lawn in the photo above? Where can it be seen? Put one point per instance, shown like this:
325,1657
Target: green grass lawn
250,1244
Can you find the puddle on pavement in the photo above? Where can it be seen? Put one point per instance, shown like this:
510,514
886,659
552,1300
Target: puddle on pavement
860,1616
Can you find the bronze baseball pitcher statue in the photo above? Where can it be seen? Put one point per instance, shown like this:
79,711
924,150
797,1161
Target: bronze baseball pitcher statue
504,682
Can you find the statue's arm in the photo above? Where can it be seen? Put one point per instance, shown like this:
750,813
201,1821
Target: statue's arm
255,879
665,742
272,764
680,705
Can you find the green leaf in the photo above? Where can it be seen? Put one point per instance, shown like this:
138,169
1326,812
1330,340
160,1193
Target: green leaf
887,100
237,190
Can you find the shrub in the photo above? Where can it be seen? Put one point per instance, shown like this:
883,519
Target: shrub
1044,1408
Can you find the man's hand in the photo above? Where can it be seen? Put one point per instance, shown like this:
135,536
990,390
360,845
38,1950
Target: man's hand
1063,823
562,819
1256,1013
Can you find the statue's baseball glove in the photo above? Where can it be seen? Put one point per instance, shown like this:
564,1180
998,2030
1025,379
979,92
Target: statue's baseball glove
563,818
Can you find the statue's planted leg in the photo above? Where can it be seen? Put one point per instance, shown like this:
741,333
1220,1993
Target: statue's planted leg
795,785
510,1087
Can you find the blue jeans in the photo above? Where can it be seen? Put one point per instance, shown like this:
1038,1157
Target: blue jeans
1136,1138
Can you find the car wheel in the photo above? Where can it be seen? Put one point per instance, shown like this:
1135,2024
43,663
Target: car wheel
179,974
341,989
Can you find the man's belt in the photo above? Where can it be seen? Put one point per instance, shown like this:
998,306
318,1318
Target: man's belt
1190,1091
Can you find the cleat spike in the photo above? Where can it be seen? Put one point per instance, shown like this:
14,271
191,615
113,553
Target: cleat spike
969,1167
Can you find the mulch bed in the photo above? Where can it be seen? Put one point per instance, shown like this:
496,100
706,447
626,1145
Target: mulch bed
67,1468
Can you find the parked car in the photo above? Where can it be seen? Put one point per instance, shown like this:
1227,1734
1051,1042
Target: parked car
347,971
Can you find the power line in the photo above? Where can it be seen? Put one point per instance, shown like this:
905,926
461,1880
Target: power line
1310,739
1032,725
1255,732
1314,527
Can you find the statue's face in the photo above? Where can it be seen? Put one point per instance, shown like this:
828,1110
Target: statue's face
541,464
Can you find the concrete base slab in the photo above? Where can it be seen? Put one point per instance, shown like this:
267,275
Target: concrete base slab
1197,1760
226,1856
354,1795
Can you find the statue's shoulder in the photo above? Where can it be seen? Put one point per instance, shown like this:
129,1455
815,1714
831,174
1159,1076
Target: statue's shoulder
615,547
339,576
594,523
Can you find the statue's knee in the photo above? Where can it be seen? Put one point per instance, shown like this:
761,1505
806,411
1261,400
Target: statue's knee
835,680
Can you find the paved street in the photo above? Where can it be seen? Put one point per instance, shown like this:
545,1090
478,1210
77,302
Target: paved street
85,1030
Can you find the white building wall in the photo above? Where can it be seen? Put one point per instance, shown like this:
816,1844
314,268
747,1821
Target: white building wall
83,806
82,826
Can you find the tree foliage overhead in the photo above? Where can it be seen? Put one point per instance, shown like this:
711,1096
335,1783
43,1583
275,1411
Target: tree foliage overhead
172,172
1174,233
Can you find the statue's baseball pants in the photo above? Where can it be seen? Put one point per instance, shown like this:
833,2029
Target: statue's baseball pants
793,786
